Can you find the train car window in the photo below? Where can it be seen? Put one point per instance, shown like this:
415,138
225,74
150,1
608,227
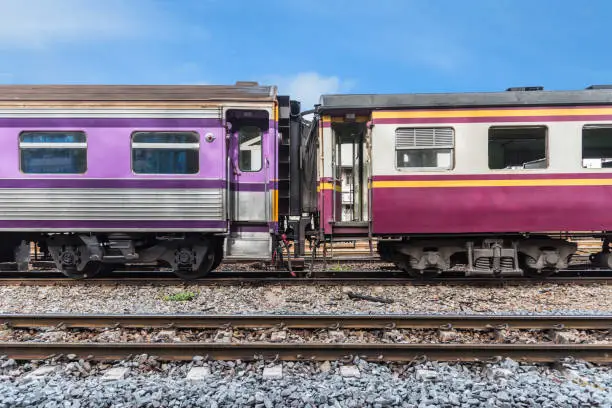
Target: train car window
250,155
165,152
597,146
53,152
517,148
424,148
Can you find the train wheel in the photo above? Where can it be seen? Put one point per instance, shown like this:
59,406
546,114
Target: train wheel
426,274
203,270
535,274
526,264
218,256
417,274
91,269
108,269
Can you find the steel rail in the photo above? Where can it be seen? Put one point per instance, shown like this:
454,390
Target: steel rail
597,353
380,278
310,321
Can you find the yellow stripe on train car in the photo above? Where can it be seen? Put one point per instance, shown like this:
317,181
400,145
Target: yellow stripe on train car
490,183
275,205
328,186
449,113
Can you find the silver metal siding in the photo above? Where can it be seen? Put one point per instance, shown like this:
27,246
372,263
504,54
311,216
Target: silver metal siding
111,204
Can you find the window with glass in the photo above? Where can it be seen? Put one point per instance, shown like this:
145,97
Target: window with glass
517,148
54,152
250,153
597,146
424,148
165,152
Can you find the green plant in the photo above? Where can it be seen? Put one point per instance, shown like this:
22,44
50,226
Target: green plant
180,297
338,268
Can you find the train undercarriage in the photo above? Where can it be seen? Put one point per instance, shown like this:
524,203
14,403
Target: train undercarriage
189,256
532,256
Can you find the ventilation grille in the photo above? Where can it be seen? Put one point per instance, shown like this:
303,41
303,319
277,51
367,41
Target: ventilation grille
410,138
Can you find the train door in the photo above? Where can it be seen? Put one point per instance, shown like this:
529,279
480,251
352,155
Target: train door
250,175
351,170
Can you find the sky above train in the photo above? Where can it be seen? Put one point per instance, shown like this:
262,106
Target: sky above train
309,47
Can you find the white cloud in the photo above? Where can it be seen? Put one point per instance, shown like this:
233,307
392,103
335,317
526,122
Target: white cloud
307,87
38,23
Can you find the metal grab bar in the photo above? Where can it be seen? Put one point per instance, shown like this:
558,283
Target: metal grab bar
266,190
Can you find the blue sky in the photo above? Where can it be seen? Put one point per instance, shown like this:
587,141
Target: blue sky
309,47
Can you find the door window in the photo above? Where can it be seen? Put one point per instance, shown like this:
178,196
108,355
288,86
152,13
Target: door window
250,152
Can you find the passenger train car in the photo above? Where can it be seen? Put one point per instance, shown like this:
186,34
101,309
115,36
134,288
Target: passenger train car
186,176
101,176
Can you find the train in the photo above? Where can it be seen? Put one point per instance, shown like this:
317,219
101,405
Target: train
488,183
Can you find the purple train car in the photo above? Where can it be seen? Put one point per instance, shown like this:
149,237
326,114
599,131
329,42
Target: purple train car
182,176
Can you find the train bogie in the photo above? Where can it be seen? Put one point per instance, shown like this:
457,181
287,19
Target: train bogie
479,256
80,256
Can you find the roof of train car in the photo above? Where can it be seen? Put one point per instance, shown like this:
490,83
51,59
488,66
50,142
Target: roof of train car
465,100
169,93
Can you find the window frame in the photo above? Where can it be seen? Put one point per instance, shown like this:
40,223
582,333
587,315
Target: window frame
451,167
261,155
164,146
42,145
546,146
603,125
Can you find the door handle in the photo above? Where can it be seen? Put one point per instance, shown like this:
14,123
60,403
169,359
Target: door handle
235,167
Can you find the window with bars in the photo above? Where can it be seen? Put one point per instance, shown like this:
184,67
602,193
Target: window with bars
424,148
54,152
165,152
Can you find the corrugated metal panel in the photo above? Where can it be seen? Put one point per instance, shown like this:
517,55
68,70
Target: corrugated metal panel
410,138
243,92
111,204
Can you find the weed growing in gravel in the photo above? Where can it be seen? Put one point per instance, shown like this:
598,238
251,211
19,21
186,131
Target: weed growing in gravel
338,268
180,297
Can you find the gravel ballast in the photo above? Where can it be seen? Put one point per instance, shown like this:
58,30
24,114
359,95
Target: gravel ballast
353,336
307,298
237,384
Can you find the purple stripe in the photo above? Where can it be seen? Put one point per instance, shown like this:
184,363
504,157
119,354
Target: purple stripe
131,183
110,183
102,224
113,122
544,176
249,227
492,209
254,186
108,122
505,108
475,119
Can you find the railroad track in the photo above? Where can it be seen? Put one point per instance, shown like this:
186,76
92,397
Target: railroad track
306,351
317,321
596,353
379,277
